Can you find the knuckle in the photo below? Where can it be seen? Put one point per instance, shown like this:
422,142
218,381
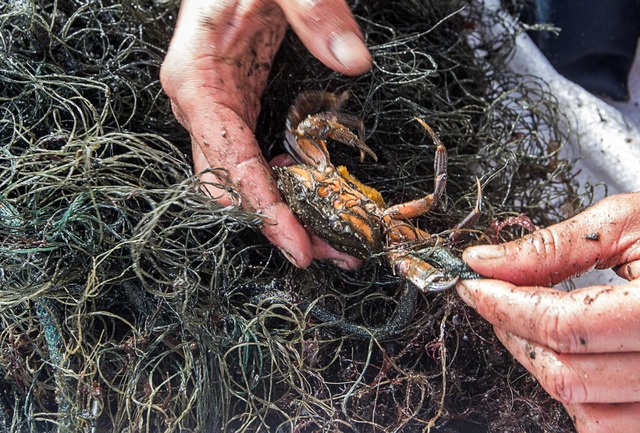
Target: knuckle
544,243
564,384
558,330
253,162
547,249
548,324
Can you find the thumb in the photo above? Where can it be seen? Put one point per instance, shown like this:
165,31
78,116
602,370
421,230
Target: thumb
329,31
603,236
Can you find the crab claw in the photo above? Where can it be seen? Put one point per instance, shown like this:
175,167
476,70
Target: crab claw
425,276
313,118
441,286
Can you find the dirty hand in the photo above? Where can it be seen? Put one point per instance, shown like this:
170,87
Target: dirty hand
583,346
215,72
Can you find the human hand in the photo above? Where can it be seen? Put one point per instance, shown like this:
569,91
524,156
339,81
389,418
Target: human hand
215,71
583,346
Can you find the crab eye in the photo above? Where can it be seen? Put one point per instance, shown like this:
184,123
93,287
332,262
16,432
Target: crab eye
299,192
335,225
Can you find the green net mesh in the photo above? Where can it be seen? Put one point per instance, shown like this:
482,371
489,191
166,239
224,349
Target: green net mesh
130,302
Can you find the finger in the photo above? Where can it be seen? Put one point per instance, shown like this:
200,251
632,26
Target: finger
629,271
282,160
592,320
329,31
610,418
603,236
323,251
283,230
224,144
578,378
214,182
280,227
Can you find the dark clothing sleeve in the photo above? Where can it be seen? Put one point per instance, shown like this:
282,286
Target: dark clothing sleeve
597,42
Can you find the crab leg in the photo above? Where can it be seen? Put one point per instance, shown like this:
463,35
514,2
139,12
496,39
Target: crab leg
422,206
471,217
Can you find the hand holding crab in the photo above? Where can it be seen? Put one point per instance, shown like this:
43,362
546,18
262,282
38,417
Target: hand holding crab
349,215
215,72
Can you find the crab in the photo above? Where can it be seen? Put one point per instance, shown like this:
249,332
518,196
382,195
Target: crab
351,216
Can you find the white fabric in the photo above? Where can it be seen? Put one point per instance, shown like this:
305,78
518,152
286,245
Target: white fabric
605,138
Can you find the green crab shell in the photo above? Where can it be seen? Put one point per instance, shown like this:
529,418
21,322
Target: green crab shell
332,208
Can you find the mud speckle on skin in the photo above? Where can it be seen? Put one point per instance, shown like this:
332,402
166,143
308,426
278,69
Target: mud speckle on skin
595,236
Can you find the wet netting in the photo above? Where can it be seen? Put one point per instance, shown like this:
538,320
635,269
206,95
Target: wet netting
131,302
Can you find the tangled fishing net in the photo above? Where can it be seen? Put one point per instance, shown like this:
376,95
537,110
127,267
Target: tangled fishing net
131,302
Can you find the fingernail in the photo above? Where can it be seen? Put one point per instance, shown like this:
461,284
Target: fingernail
339,263
349,264
289,257
485,252
349,50
465,294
